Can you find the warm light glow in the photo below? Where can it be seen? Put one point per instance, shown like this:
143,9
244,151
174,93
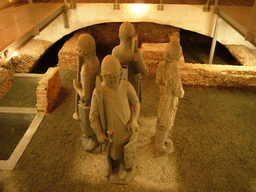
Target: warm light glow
15,53
139,8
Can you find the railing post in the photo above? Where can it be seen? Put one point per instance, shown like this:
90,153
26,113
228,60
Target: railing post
32,9
249,36
116,5
160,7
65,17
214,39
207,6
73,4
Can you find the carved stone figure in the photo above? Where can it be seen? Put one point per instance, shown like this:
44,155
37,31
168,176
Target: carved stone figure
169,81
130,56
88,69
114,113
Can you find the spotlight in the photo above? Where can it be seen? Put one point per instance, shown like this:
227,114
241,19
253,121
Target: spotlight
116,6
15,57
15,53
138,8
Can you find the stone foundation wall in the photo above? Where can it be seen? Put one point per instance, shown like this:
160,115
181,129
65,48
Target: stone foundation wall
67,55
201,74
29,55
218,75
5,81
153,53
106,37
48,90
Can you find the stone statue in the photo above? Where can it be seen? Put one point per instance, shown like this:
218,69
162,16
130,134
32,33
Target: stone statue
115,109
169,82
130,56
88,69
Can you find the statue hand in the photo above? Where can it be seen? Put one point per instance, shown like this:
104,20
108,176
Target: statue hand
182,93
86,101
76,84
132,127
102,138
179,93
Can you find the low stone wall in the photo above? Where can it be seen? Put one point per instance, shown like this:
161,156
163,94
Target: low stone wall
48,90
153,53
67,55
5,81
201,74
29,55
218,75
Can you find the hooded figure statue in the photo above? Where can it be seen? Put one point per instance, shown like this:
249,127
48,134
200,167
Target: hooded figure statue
88,69
130,56
169,82
114,113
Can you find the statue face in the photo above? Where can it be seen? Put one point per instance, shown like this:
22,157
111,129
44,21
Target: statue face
115,79
79,52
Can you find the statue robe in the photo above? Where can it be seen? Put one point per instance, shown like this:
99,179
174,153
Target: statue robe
116,104
170,88
136,66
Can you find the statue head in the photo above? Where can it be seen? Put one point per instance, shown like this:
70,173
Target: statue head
85,44
126,30
173,51
111,70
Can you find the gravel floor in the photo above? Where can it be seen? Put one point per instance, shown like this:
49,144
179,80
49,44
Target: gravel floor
214,140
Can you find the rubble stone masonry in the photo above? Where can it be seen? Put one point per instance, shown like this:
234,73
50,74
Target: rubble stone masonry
201,74
48,90
67,55
5,81
30,54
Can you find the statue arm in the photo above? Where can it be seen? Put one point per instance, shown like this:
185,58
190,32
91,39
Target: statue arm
78,87
159,74
140,64
77,82
95,120
179,91
132,124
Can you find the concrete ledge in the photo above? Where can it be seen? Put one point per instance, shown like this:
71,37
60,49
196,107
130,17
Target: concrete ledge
20,148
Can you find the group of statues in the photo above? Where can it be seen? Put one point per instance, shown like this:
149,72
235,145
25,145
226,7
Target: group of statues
108,101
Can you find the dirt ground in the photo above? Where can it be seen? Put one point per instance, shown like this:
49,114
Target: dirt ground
213,135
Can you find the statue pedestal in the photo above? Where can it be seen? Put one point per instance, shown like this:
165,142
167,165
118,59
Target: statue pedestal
113,178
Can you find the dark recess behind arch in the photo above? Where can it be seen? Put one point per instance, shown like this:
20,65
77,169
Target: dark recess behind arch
196,47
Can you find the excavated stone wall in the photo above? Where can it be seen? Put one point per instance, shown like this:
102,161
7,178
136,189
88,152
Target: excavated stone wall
106,37
5,81
201,74
29,55
48,90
